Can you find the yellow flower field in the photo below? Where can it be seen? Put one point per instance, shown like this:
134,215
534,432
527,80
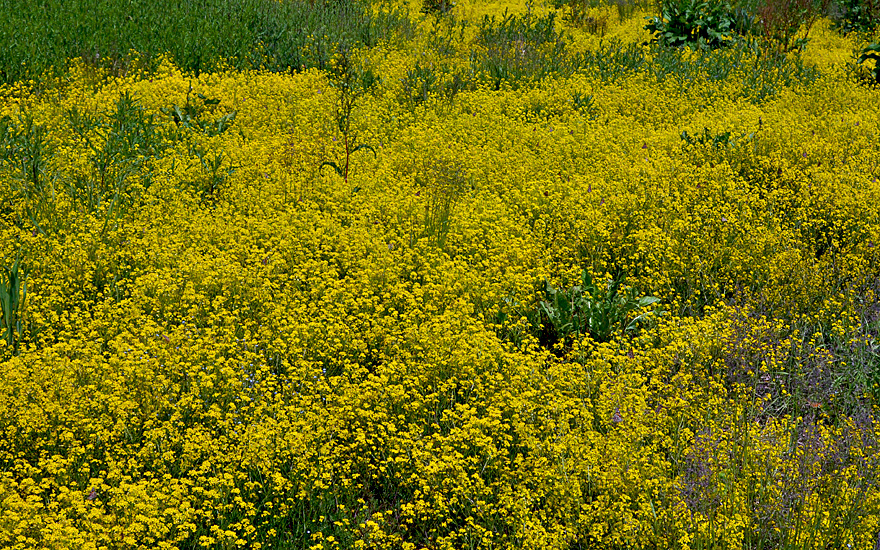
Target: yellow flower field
237,329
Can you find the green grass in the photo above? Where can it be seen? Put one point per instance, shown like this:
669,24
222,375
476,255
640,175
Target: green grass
39,38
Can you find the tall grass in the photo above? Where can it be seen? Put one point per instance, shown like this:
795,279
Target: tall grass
202,35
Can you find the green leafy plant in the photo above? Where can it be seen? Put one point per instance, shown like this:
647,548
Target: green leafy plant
519,50
627,9
13,291
351,83
577,14
420,82
215,172
718,141
871,52
584,104
613,59
119,144
590,309
25,147
425,81
197,114
709,23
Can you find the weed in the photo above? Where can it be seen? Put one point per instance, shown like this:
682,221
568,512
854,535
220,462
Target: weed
437,6
420,83
351,83
763,72
425,81
119,144
719,140
627,9
583,14
588,309
518,50
27,149
701,22
583,103
215,173
443,184
197,115
613,60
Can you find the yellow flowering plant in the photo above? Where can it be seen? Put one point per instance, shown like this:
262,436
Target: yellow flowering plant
224,345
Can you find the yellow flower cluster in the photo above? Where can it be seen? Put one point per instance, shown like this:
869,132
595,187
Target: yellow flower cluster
226,344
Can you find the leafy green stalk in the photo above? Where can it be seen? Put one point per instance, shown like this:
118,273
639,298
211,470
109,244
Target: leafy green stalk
13,291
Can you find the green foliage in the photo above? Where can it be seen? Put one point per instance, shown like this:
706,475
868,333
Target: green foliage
199,36
590,309
719,140
871,52
584,104
577,14
192,115
119,143
437,6
627,9
351,81
425,81
215,172
13,292
613,60
518,29
442,183
25,148
707,23
861,16
518,50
